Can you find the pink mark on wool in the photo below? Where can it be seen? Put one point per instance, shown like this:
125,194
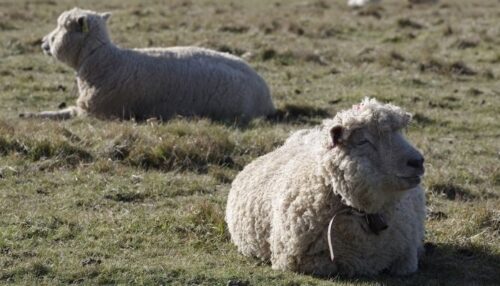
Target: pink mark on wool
358,107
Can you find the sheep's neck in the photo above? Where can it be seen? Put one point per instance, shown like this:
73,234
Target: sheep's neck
101,55
376,221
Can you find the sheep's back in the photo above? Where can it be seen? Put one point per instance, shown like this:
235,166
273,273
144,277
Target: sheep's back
163,82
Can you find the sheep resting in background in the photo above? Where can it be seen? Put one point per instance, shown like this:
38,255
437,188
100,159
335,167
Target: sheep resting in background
155,82
362,3
343,198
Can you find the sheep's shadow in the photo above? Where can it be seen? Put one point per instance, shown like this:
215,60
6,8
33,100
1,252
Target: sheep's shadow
446,264
298,113
289,113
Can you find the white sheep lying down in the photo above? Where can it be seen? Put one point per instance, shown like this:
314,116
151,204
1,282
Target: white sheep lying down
342,198
362,3
157,82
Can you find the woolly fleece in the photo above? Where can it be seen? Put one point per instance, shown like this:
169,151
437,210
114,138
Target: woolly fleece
156,82
280,205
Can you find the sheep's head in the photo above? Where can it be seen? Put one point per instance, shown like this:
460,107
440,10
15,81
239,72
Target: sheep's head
78,33
375,161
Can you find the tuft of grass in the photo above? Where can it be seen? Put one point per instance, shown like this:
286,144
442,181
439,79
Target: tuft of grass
456,68
189,149
207,223
7,146
119,148
124,196
422,120
234,29
451,191
467,43
61,150
409,23
36,150
290,57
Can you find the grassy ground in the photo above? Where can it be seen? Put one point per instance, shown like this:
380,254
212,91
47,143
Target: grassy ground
93,202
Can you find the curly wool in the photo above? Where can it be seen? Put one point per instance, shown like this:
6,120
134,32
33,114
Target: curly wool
280,205
368,114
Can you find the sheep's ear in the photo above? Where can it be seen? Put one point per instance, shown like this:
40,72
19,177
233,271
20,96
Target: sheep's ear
83,23
336,133
408,117
106,15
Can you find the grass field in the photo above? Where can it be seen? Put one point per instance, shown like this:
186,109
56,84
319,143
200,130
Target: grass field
92,202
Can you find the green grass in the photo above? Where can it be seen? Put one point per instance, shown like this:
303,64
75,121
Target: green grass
93,202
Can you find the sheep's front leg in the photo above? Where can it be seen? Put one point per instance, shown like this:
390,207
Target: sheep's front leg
318,264
62,114
304,256
406,264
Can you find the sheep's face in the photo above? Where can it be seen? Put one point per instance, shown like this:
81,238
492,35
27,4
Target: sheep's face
372,158
77,34
384,160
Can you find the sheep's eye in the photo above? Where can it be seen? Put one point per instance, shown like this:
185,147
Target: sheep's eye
363,142
81,25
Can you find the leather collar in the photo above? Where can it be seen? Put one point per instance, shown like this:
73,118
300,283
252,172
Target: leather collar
376,223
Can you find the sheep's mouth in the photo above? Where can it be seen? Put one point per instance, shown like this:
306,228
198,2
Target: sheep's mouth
412,180
47,52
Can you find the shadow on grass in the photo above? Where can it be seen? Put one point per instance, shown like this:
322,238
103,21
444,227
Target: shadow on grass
445,264
301,113
298,113
289,113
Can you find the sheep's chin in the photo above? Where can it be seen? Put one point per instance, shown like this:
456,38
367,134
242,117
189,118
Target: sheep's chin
409,182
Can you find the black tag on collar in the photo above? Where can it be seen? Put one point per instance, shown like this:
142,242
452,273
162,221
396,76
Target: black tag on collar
376,222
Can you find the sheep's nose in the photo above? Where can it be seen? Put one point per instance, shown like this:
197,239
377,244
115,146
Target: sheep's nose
45,46
416,163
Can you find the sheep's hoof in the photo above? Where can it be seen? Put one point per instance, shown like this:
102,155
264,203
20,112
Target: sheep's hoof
26,115
404,267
